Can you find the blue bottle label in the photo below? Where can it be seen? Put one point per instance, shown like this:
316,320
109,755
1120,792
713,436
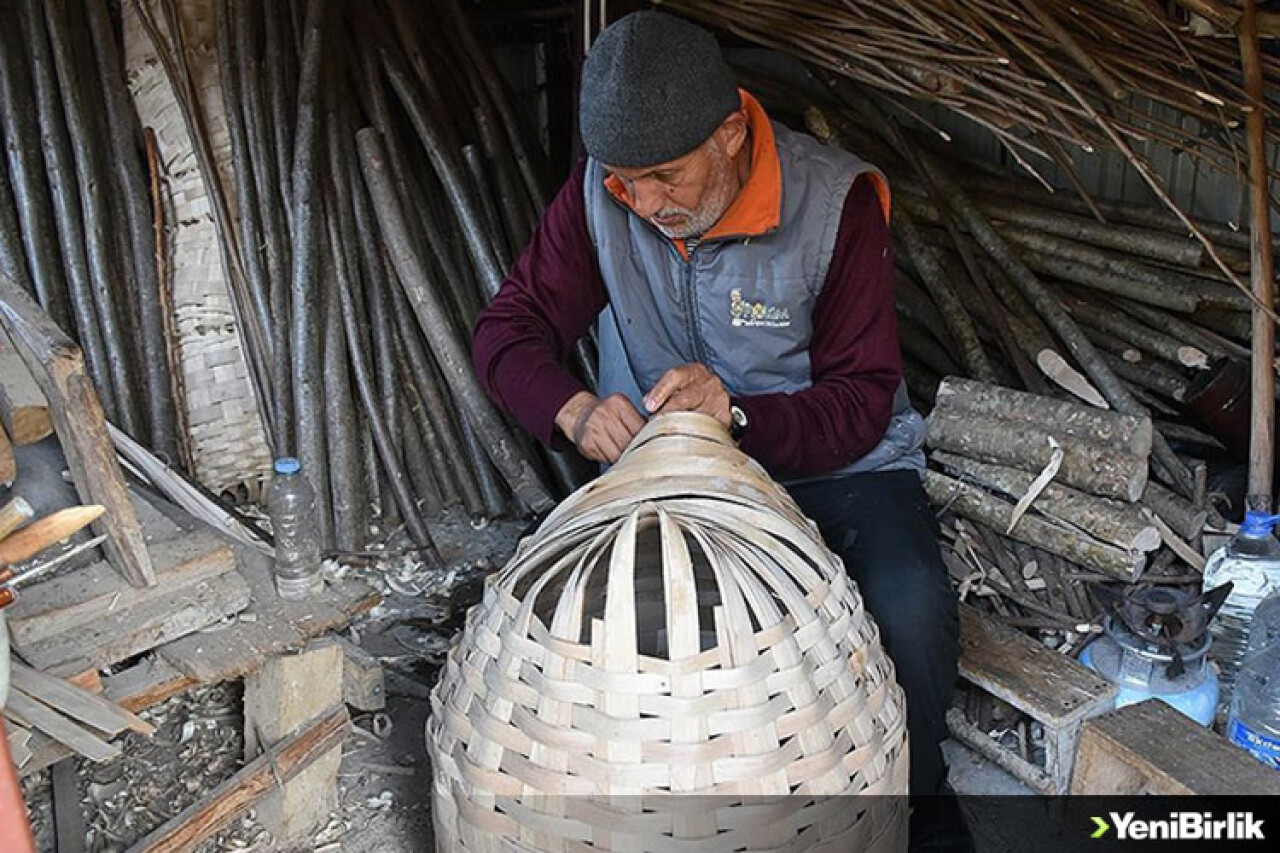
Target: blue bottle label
1264,747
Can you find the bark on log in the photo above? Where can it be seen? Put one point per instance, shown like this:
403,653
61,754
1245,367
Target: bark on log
1110,521
1150,374
308,370
1128,433
1086,466
18,119
104,270
1215,345
449,351
977,505
363,374
919,343
122,126
272,207
954,313
1105,318
1182,516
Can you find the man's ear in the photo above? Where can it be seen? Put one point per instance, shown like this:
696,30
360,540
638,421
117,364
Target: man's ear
733,132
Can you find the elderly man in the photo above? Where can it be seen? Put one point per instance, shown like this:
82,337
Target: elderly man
743,270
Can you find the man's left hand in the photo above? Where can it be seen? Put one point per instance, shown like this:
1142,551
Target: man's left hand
689,388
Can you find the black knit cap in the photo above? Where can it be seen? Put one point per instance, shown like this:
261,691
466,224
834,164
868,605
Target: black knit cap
654,87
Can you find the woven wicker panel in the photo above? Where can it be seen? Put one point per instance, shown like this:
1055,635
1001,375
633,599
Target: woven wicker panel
227,440
676,626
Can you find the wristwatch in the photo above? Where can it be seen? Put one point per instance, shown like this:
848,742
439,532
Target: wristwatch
737,423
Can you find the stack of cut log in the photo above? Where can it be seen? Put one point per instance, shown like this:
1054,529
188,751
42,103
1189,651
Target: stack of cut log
1050,493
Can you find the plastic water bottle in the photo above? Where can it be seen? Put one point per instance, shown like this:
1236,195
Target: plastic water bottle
1251,563
1265,630
292,504
1255,707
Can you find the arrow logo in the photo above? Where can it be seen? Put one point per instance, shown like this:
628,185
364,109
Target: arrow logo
1102,825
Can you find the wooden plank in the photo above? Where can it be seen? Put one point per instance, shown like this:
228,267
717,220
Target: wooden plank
210,814
77,704
279,699
57,365
1007,663
363,683
36,715
68,816
82,597
23,410
276,625
1151,748
115,634
26,543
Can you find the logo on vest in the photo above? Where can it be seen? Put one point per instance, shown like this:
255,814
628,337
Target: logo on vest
744,313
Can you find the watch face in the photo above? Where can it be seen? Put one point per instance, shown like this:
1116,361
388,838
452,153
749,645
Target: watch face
738,416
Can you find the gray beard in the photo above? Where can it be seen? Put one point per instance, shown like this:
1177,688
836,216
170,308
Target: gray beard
714,207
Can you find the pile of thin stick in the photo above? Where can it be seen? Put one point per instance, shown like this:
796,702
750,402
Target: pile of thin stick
76,206
382,187
1036,73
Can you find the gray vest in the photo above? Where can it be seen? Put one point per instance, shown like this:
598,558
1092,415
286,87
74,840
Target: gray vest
743,306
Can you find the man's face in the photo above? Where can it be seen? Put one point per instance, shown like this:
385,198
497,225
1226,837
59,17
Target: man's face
686,196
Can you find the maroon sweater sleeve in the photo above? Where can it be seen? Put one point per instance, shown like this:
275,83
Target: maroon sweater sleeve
854,361
523,339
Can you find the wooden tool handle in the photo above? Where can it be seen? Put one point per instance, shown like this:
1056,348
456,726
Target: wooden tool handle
38,535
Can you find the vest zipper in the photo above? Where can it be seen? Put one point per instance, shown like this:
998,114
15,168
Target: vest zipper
691,323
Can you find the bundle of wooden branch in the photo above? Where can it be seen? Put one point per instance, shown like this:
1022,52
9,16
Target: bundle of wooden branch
76,224
382,186
1037,73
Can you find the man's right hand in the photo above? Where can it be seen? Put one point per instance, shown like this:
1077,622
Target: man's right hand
600,429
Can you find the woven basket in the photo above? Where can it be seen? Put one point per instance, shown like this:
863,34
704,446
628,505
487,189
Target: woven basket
674,627
228,445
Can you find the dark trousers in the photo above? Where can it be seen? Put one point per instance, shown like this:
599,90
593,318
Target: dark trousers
880,524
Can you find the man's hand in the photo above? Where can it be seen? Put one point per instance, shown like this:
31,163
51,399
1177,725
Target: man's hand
600,429
690,388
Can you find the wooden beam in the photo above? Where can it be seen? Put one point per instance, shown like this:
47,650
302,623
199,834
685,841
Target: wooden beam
88,708
1151,748
1262,434
259,777
57,365
278,699
363,684
37,715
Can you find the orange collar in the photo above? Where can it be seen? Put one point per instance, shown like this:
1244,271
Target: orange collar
758,208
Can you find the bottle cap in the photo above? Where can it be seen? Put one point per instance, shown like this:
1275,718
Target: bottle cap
1258,524
288,465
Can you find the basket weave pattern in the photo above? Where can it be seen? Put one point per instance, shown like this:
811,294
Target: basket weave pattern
228,444
675,626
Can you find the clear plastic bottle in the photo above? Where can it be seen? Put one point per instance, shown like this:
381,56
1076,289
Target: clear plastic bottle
292,504
1265,630
1251,563
1255,707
